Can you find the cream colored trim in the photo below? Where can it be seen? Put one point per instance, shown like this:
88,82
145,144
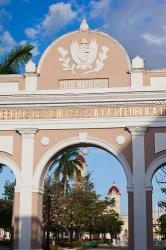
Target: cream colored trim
130,189
15,169
136,81
27,132
120,90
156,70
55,97
138,153
11,76
8,87
31,83
152,168
38,190
137,131
26,187
40,169
159,81
84,123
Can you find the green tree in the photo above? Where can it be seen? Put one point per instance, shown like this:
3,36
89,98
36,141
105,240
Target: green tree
5,214
9,190
114,224
10,63
161,180
80,210
68,167
84,205
6,207
85,208
162,226
54,210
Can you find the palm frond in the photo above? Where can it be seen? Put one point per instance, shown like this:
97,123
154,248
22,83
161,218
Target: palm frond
21,55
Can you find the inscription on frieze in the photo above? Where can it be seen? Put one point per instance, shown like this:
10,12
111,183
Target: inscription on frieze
82,112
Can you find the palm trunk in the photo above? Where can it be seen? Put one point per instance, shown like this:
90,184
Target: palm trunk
65,188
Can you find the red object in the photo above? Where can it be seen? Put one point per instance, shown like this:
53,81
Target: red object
81,158
113,189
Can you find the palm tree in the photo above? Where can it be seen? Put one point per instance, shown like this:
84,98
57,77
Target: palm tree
13,60
68,167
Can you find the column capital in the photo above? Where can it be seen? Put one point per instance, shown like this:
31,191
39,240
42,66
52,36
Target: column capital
138,131
38,190
27,131
130,188
149,188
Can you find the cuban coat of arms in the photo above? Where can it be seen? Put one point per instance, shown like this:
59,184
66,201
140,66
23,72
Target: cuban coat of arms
84,56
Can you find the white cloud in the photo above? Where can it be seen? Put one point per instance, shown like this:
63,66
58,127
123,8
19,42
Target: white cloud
32,32
35,51
99,7
154,39
7,41
137,25
58,16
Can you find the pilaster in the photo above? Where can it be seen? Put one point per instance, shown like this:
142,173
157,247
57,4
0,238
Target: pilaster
149,212
25,213
138,154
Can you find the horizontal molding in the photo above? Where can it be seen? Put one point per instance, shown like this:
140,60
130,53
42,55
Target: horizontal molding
79,97
119,122
74,102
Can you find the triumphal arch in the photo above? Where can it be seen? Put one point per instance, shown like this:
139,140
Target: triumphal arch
84,91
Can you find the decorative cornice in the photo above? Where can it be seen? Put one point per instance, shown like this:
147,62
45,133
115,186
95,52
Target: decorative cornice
62,98
84,104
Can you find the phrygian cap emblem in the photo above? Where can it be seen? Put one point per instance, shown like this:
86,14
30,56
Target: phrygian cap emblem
85,56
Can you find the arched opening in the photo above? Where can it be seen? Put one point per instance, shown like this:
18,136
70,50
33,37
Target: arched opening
43,165
159,206
105,170
156,202
8,183
10,178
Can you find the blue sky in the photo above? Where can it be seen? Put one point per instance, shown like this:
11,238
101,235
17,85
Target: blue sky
139,25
